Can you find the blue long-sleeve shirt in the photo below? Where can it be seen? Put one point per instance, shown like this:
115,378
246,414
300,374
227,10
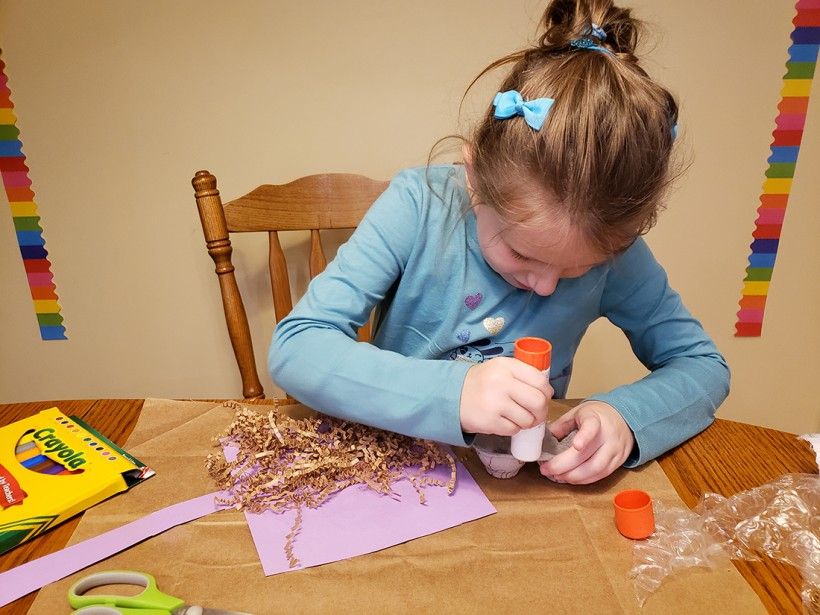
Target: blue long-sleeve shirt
442,309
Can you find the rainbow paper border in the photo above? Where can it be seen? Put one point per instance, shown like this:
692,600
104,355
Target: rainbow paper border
26,220
785,148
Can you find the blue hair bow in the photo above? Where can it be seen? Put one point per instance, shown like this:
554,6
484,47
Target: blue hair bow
510,104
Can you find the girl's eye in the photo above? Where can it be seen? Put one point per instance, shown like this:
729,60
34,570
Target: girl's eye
517,256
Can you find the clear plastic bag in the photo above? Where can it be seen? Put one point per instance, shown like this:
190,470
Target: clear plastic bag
780,519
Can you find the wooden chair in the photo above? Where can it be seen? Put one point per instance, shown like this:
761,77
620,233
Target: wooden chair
312,203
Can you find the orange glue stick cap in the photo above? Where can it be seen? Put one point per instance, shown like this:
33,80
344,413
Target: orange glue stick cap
534,351
634,517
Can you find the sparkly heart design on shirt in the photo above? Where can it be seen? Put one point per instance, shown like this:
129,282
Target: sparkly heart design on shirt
463,336
472,301
494,325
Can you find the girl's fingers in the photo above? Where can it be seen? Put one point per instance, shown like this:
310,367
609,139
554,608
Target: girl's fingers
584,445
531,376
565,462
589,432
533,401
600,446
599,466
564,425
502,426
518,416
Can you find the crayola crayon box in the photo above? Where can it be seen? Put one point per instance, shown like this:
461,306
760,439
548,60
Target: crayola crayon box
53,467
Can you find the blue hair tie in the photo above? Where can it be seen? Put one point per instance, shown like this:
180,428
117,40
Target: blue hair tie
588,43
510,104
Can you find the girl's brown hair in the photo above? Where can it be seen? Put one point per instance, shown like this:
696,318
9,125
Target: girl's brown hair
604,151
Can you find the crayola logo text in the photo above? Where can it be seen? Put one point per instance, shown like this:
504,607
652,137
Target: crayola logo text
71,458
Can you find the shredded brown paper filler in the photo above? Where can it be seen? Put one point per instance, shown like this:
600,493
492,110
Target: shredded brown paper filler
287,463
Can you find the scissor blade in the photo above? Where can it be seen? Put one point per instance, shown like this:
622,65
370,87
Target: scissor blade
201,610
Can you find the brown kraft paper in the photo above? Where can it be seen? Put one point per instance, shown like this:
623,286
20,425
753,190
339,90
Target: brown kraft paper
549,549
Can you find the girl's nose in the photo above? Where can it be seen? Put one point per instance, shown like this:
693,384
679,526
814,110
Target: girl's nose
543,283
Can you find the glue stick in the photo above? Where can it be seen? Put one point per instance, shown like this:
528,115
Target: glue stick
526,444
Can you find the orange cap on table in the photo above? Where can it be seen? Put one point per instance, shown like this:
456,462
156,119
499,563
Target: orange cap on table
634,516
534,351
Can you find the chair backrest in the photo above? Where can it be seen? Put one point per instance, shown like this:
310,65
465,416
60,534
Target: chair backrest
312,203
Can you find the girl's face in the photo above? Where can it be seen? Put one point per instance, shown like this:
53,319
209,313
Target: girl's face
530,257
533,259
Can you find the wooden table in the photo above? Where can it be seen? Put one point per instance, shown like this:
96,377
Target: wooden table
726,458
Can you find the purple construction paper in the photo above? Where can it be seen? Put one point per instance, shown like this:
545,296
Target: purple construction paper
358,520
38,573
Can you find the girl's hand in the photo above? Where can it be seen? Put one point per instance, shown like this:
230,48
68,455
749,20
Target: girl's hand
503,396
602,444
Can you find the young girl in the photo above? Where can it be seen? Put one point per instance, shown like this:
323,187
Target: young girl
537,234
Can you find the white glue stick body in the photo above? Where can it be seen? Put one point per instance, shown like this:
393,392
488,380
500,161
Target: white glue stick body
526,444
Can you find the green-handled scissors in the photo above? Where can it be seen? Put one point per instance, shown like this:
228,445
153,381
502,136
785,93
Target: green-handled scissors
150,601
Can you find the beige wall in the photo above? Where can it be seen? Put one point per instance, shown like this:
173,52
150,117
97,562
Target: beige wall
119,103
